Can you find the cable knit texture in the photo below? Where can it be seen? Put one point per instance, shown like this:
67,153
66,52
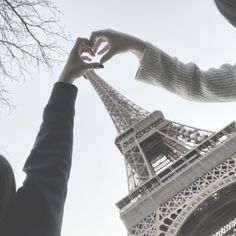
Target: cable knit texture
187,80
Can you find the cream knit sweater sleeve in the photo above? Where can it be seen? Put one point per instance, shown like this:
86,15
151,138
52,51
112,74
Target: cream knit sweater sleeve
187,80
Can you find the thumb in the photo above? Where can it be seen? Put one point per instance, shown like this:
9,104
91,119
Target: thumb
95,65
107,56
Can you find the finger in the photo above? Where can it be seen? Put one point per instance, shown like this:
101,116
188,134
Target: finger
82,42
105,49
85,58
98,34
107,56
98,44
85,42
95,65
86,50
85,47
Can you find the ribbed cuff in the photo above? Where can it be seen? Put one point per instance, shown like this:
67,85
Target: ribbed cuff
151,60
160,69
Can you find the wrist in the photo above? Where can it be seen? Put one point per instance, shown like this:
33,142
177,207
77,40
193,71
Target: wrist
138,47
66,78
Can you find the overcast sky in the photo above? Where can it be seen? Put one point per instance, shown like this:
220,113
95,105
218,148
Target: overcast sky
191,30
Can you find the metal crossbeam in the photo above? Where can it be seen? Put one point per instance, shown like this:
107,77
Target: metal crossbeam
159,153
122,111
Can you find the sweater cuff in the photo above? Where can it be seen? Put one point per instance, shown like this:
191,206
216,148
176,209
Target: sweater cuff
63,96
151,62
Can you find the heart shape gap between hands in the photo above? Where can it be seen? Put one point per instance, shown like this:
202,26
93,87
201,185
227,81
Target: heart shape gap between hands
97,51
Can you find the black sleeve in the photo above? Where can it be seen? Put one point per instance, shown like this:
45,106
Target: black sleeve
40,201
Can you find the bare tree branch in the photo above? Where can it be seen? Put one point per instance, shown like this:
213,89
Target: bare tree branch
30,34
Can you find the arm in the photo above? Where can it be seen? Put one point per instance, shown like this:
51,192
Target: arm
116,42
187,80
40,201
160,69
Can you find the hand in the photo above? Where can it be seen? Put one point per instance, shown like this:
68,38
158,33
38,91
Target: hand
116,42
76,65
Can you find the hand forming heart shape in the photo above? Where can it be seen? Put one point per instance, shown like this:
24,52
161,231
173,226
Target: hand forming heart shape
95,52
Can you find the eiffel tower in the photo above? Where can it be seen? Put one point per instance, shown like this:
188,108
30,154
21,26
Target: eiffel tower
181,179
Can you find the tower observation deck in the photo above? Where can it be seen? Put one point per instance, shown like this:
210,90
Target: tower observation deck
181,179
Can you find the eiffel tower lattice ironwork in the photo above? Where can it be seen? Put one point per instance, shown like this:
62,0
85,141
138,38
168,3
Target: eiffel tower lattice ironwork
181,179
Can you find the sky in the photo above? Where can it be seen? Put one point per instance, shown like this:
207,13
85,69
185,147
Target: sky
193,31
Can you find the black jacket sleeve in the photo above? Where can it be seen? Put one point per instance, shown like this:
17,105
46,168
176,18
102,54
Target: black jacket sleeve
40,201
